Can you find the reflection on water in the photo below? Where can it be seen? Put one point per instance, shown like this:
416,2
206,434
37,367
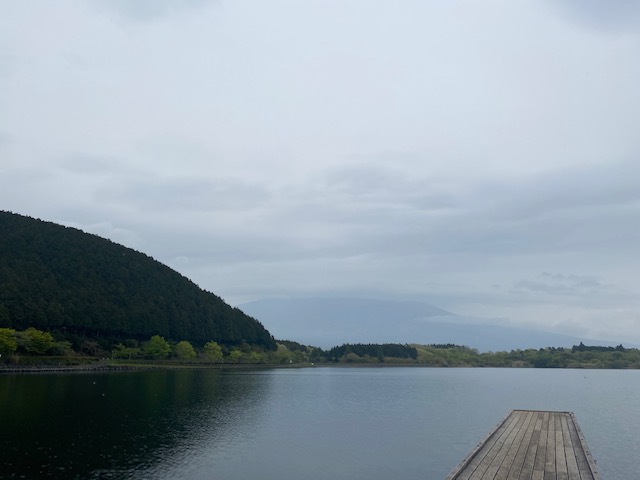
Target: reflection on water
322,423
113,425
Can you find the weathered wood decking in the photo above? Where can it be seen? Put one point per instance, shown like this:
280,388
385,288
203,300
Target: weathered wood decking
530,445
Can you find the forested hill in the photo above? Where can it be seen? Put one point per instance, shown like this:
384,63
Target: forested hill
61,279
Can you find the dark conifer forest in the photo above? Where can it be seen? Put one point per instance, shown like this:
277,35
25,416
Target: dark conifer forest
63,280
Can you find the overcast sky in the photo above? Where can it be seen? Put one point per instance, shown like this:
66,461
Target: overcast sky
481,156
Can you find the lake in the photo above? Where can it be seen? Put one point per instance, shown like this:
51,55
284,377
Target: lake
314,423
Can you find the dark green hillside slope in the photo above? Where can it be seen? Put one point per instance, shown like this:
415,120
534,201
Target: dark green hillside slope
62,279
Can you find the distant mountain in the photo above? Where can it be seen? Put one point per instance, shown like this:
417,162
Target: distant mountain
327,322
62,279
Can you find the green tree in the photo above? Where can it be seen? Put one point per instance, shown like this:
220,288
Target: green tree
351,358
184,351
255,357
35,341
8,342
283,355
213,351
157,347
236,356
120,351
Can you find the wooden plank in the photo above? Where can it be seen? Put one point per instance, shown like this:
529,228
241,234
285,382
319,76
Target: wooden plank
586,463
573,472
539,463
509,462
489,468
528,461
550,455
485,457
530,445
561,457
581,459
486,447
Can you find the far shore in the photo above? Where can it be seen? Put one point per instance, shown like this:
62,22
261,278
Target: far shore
106,366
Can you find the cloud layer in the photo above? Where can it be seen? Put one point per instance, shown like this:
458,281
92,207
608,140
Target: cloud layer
482,158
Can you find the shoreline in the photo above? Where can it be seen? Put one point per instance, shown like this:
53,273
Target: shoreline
128,367
110,367
34,369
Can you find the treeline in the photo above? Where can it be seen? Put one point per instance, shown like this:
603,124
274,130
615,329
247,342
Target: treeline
37,346
68,282
550,357
33,346
369,351
451,355
31,342
596,348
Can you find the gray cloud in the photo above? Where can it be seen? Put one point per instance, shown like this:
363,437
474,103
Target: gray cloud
179,194
614,185
89,164
145,11
608,16
559,284
571,211
5,139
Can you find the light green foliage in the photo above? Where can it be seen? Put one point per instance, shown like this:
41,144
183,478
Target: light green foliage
213,351
184,351
8,342
352,358
577,357
120,351
283,355
255,357
35,341
157,347
236,356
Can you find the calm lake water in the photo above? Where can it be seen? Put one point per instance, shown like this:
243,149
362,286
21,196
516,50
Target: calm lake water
286,424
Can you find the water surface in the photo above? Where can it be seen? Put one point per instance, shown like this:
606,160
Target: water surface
315,423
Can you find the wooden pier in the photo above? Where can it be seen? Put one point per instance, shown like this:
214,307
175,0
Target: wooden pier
530,445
